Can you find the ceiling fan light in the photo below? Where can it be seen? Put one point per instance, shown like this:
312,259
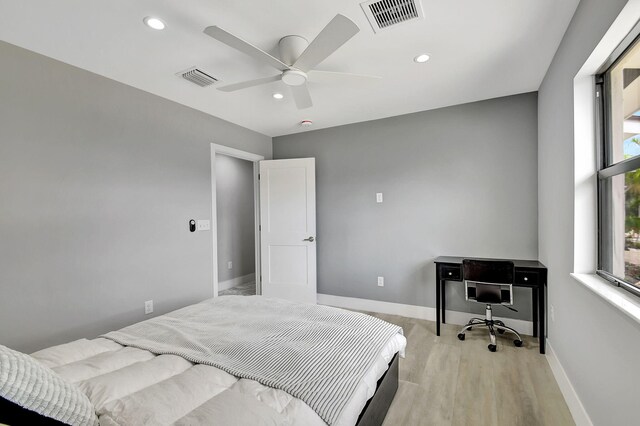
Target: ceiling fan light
294,78
421,59
155,23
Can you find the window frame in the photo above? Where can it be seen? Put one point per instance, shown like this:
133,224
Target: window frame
605,167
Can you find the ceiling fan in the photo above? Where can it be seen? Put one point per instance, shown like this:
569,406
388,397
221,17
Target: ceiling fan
298,57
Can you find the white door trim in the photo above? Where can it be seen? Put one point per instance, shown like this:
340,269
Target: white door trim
244,155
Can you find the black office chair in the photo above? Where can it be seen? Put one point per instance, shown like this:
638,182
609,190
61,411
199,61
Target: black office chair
489,282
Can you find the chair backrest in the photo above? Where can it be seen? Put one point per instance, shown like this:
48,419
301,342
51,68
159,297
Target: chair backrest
488,281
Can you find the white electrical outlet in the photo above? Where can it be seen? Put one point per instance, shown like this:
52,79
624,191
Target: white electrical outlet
379,197
203,225
552,313
380,281
229,265
148,307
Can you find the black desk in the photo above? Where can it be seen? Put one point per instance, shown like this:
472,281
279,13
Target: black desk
528,273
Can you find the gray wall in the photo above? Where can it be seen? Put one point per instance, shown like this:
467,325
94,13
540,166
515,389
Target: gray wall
235,215
597,345
97,183
456,181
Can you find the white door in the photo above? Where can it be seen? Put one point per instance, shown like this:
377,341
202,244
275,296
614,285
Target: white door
288,229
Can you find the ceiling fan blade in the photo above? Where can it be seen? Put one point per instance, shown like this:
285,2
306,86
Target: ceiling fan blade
331,75
301,96
245,47
335,34
250,83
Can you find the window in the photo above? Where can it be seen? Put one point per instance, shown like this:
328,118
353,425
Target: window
618,90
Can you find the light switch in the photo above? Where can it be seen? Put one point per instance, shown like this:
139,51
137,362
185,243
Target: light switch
379,197
204,225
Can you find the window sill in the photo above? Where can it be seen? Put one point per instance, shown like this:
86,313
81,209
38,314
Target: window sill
619,298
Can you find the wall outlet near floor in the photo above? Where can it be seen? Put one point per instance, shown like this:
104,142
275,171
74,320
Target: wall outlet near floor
380,281
148,307
204,225
552,313
229,265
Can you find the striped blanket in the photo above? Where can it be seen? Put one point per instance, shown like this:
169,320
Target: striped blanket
315,353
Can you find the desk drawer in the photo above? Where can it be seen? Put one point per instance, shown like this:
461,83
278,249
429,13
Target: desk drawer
527,278
451,272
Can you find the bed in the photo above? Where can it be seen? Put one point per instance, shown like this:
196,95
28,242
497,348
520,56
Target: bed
238,360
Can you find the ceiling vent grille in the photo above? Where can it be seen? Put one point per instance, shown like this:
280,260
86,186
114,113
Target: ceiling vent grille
384,14
198,77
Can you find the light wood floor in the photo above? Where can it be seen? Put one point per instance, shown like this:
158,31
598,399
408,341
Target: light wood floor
444,381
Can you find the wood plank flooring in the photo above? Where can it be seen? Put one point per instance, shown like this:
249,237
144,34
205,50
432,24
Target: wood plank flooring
444,381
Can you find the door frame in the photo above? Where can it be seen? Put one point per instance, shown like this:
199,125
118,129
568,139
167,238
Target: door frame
243,155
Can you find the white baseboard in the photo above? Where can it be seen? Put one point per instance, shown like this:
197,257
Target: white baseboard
413,311
580,416
226,285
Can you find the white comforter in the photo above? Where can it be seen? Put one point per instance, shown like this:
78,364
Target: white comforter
316,353
130,386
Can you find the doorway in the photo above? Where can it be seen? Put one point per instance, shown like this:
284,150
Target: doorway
235,214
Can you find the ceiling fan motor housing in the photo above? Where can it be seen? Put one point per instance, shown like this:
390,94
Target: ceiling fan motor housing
291,47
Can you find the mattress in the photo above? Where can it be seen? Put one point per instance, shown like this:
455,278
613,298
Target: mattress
131,386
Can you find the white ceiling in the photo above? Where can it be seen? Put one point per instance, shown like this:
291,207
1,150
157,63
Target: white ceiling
479,50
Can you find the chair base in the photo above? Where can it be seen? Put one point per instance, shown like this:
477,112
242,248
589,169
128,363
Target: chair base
492,325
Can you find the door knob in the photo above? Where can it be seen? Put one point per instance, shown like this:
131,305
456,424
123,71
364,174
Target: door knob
310,239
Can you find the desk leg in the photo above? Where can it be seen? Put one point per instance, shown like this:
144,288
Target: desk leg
534,301
542,315
438,283
443,291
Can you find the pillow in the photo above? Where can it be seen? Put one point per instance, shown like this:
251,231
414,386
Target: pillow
32,393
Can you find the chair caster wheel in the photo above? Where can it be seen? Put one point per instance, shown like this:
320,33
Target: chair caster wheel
500,331
470,328
492,348
517,342
461,336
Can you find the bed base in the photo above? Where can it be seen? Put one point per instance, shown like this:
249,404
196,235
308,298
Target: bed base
13,414
378,405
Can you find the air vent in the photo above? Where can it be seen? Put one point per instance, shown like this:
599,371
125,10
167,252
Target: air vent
198,77
385,14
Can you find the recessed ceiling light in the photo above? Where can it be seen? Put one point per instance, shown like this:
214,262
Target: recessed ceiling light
278,96
306,123
421,58
154,23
